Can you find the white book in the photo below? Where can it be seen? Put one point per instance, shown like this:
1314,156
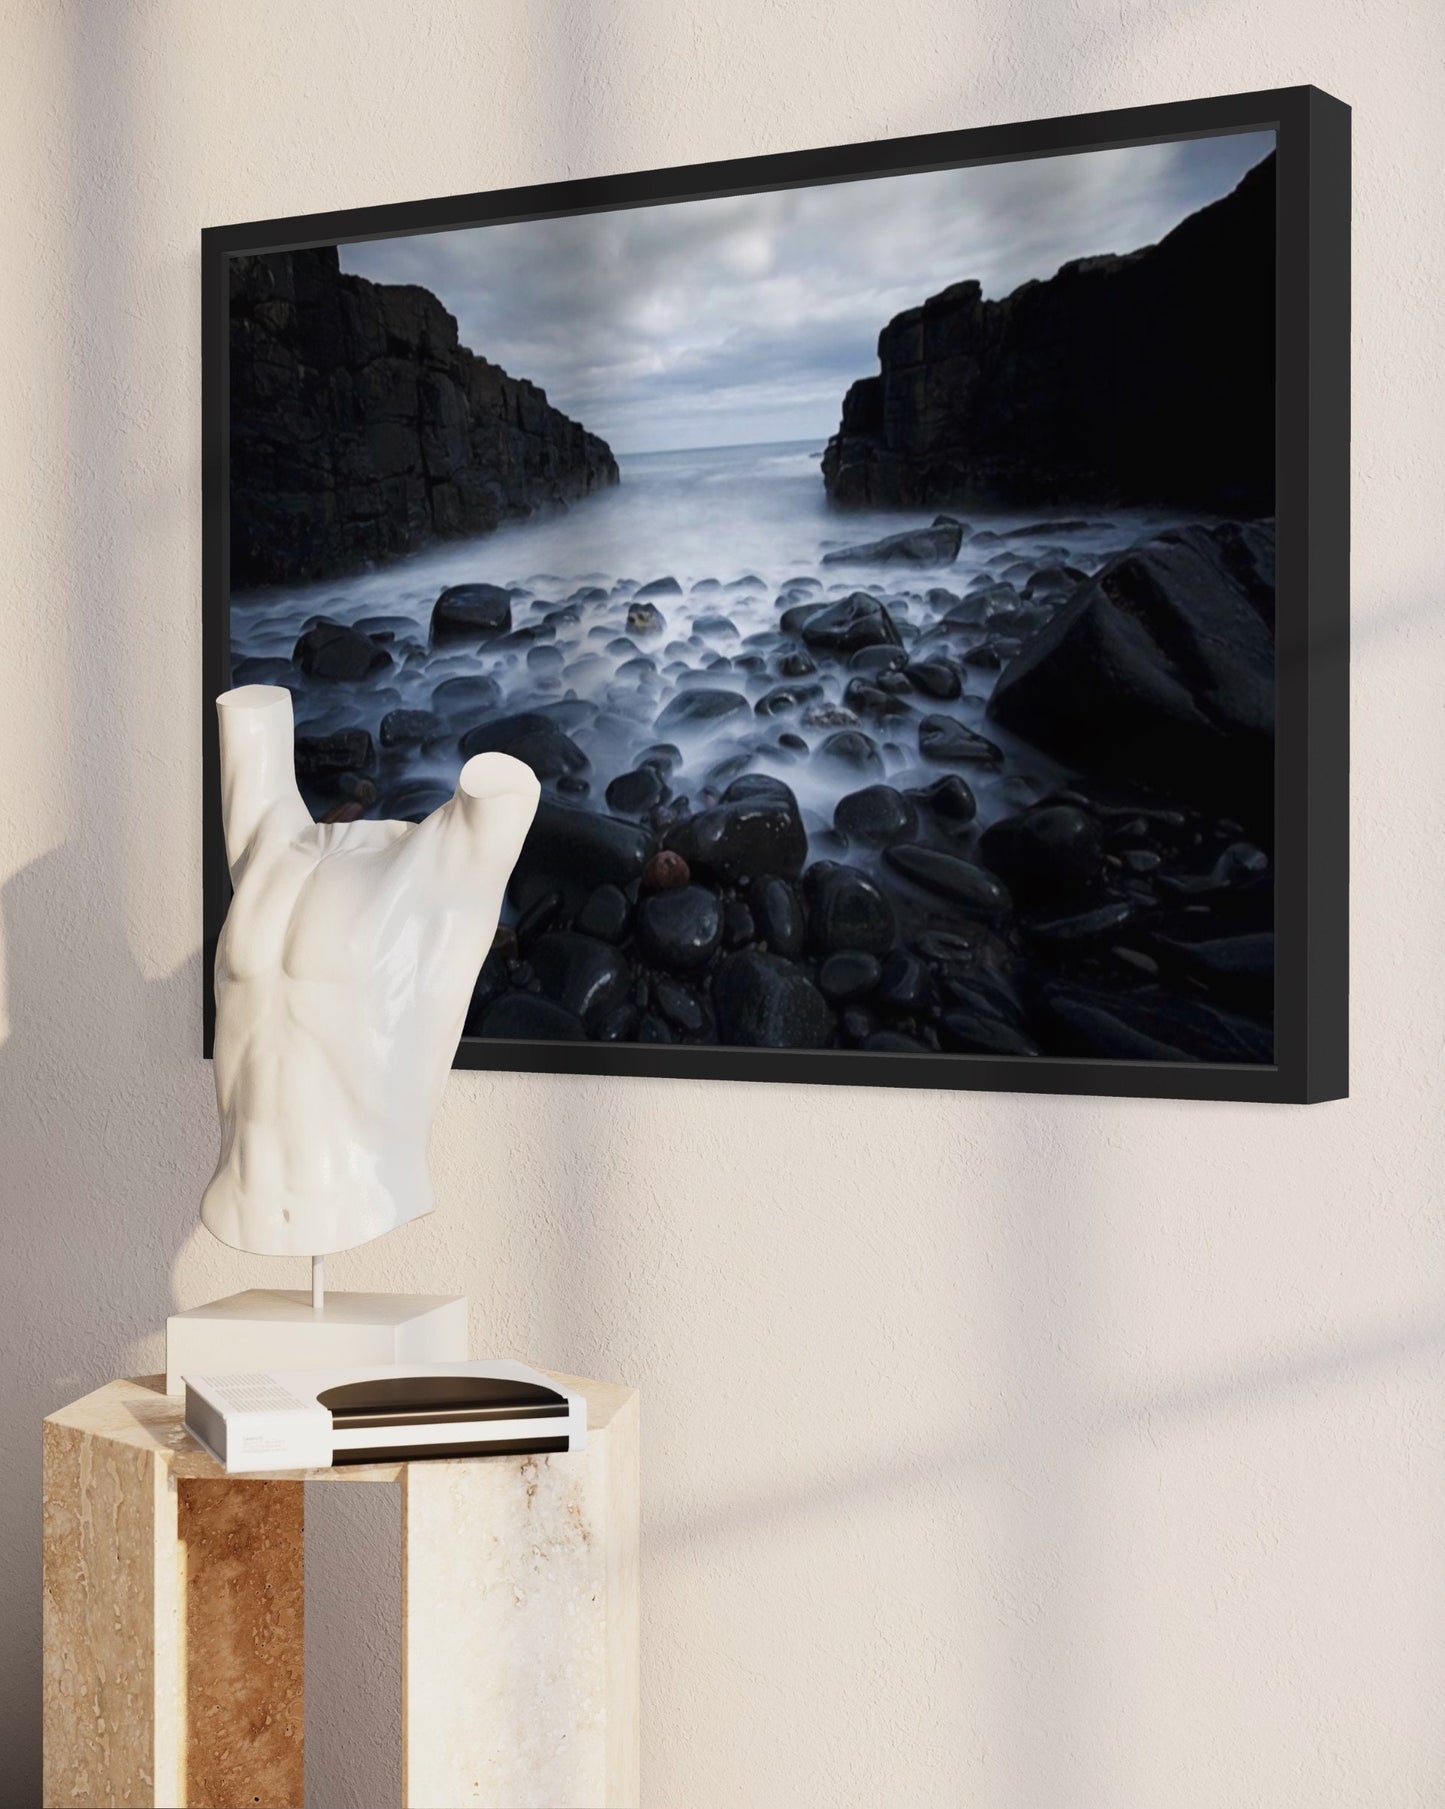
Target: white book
381,1413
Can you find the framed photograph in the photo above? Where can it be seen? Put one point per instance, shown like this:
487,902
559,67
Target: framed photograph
916,573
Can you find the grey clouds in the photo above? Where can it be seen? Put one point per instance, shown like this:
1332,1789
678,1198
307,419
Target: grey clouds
711,323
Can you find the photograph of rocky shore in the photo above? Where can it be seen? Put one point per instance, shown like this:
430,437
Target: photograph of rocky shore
879,579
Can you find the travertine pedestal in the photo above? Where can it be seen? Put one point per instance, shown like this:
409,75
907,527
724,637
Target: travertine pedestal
174,1617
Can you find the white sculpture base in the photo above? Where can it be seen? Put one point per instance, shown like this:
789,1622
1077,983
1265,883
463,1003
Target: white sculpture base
278,1328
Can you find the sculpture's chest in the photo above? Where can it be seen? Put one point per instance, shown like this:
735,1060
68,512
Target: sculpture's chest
298,918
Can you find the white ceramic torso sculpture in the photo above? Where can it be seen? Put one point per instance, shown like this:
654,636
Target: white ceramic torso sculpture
343,974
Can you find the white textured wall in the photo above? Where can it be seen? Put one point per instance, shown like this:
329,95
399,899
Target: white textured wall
1027,1453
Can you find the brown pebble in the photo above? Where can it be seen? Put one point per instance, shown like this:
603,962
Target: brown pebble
349,812
665,871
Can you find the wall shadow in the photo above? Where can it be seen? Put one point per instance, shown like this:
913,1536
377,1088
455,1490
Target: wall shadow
95,1196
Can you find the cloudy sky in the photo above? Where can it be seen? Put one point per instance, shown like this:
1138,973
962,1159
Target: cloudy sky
717,323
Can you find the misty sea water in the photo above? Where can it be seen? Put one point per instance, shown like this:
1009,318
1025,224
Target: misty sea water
744,523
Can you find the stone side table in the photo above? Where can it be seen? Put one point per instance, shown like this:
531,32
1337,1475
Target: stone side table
174,1616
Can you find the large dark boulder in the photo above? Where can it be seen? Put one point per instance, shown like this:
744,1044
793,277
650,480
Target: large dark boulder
877,814
701,705
469,695
847,910
966,886
579,973
501,734
1161,670
362,429
858,621
406,728
753,831
1054,851
765,1002
681,928
937,545
573,851
950,799
943,739
551,753
851,749
1145,378
471,612
633,794
329,650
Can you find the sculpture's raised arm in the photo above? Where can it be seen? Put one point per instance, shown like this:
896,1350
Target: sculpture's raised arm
258,767
496,800
466,849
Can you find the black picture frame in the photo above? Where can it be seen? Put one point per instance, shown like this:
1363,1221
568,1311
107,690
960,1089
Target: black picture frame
1312,624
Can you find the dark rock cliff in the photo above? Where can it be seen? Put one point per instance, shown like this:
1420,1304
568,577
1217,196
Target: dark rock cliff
1146,378
362,429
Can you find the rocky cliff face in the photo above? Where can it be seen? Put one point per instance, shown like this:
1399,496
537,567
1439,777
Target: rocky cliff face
361,428
1147,378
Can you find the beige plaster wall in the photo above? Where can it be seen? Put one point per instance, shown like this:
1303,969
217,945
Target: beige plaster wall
1020,1452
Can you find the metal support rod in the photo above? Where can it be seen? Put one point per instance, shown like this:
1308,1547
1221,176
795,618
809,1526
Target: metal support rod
318,1283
